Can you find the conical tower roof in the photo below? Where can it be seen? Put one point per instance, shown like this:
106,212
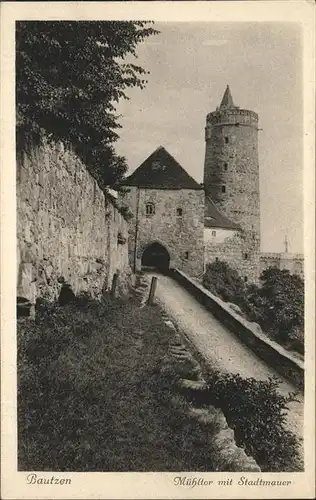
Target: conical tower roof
227,101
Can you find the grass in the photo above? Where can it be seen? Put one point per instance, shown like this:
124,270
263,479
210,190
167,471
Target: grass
90,393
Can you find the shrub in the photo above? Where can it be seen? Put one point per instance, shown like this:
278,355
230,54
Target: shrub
225,282
296,340
125,212
121,239
257,411
278,304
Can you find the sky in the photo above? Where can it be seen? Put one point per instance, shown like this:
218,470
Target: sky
190,64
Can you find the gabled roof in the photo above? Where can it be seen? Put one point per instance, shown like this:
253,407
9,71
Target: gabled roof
215,218
227,101
161,171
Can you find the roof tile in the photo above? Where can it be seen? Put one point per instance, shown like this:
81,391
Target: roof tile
215,218
161,171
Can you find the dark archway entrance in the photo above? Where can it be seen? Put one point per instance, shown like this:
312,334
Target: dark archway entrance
155,255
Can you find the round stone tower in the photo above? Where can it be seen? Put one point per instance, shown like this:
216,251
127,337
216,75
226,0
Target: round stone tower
231,171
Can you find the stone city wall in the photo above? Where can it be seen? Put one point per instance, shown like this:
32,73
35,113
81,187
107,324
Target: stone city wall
271,352
293,262
66,229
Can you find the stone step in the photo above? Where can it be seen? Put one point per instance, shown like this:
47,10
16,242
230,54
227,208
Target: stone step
195,385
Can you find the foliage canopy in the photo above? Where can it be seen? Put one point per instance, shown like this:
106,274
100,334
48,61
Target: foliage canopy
224,281
69,77
278,304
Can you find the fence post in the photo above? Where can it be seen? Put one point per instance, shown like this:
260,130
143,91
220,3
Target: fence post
153,286
114,284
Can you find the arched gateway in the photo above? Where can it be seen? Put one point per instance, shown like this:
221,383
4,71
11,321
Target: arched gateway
156,255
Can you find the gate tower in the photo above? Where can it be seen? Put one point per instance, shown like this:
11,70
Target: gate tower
231,169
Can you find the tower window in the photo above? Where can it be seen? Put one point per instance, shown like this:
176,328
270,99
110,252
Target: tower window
223,189
179,212
225,166
246,255
150,209
186,255
226,140
213,233
245,279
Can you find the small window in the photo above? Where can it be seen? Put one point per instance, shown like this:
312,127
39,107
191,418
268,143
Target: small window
246,255
186,255
223,189
213,233
155,165
150,209
179,212
226,140
245,279
225,166
216,259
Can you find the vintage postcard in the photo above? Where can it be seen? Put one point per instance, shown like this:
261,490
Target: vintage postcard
158,213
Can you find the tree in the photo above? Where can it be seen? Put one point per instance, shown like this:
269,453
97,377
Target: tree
69,77
224,281
278,304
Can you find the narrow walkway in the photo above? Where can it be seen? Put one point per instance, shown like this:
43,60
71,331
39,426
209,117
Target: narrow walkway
218,346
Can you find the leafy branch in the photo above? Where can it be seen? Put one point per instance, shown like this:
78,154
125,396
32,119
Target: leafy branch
69,77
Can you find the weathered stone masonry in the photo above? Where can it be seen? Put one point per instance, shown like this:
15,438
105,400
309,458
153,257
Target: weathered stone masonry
66,228
231,179
235,251
182,236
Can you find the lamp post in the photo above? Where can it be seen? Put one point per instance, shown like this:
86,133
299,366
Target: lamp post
136,227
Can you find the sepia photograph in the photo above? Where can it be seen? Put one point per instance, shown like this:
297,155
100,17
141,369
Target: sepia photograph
160,257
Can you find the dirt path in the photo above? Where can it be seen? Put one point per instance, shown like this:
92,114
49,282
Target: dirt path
219,347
